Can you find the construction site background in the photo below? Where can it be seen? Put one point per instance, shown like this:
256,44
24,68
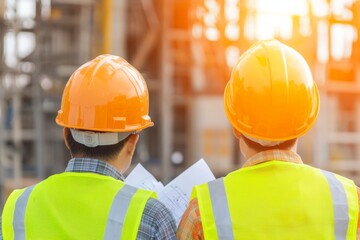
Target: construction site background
185,50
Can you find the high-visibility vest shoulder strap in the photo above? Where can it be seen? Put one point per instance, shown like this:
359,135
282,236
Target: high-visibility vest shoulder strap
122,222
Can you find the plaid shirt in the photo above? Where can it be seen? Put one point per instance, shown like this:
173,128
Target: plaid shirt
190,226
157,221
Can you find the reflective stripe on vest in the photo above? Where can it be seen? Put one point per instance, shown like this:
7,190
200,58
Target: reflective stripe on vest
221,215
341,218
19,214
223,220
115,221
118,211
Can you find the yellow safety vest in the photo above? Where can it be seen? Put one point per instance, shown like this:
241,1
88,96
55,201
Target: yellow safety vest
279,201
74,205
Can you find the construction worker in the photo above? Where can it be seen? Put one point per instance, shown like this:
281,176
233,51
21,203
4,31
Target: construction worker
104,107
271,100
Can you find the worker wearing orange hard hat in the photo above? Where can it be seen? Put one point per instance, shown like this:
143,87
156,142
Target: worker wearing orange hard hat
104,107
271,100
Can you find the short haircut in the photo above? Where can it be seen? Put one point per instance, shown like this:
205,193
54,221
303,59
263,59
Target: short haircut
104,152
260,148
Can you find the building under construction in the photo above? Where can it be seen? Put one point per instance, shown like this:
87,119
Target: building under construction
185,50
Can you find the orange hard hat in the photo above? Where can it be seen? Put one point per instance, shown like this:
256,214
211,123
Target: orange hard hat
106,94
271,94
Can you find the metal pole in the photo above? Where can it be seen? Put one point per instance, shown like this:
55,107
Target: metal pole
2,105
37,96
166,95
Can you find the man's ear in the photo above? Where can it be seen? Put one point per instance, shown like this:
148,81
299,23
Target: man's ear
236,133
131,143
66,131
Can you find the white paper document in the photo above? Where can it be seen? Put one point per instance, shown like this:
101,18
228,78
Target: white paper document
176,194
141,178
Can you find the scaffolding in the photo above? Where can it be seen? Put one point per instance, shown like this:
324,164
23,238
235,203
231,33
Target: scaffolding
338,147
40,48
185,52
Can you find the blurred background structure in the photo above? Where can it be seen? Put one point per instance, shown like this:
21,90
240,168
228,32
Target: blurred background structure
185,50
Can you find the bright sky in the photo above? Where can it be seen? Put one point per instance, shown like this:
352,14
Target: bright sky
272,18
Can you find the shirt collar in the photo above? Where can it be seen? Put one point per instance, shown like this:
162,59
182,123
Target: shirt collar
94,166
276,154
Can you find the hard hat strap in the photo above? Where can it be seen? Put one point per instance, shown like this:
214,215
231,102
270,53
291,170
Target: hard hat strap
94,139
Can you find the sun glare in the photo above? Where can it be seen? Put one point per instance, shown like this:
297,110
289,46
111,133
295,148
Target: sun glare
283,19
298,7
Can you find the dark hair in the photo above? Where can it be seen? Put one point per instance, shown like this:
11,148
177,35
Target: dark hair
100,152
260,148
